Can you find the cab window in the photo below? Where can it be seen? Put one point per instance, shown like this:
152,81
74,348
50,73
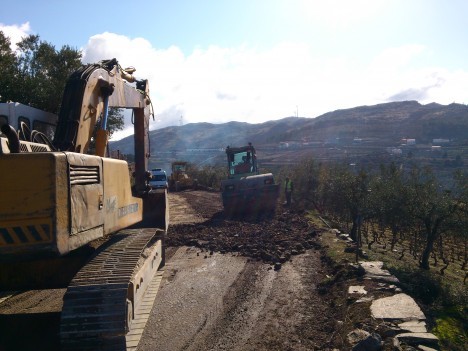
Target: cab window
159,177
24,133
46,128
25,120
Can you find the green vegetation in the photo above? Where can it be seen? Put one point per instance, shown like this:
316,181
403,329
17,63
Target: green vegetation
208,176
36,73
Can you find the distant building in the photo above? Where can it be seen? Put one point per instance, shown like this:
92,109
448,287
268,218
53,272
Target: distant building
290,144
312,143
408,141
333,141
394,151
440,141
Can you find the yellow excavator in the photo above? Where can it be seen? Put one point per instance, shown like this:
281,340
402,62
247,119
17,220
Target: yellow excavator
68,217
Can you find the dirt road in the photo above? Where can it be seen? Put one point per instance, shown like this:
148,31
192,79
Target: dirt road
238,299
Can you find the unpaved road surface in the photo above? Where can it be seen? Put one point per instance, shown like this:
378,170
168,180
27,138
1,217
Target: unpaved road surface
229,284
239,284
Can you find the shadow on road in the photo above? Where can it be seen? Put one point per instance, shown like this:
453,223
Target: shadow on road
30,332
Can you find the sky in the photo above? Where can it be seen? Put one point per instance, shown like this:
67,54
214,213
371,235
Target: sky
259,60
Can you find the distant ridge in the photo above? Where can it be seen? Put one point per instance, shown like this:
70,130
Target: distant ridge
387,122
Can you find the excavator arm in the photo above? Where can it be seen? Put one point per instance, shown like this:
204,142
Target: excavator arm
88,94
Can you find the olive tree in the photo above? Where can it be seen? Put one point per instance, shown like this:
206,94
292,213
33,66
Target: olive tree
432,206
348,195
389,200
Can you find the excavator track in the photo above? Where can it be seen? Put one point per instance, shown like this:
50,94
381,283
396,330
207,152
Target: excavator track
103,299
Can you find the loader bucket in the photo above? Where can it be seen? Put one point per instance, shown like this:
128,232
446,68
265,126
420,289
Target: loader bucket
251,201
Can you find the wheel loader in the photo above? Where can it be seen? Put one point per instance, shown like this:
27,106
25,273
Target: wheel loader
246,191
179,178
75,219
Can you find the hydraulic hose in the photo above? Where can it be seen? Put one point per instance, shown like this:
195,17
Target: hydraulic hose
13,138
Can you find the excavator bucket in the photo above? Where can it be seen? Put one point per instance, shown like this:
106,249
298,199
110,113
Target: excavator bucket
155,209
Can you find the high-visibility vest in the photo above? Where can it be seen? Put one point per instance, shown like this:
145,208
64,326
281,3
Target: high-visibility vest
288,186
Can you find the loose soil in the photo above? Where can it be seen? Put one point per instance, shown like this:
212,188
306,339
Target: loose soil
253,282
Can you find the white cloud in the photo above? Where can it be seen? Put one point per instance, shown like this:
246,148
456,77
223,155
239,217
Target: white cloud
246,84
15,32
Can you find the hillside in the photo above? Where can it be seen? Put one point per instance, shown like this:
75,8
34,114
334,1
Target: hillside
388,123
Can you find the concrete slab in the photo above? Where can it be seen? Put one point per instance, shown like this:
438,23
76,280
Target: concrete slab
397,307
413,339
414,326
365,299
426,348
373,270
357,290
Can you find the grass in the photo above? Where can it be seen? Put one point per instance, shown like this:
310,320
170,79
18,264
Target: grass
443,298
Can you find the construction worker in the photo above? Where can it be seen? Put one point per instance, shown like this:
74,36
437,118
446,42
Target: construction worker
288,189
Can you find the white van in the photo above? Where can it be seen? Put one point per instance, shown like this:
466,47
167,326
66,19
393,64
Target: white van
21,116
35,128
158,179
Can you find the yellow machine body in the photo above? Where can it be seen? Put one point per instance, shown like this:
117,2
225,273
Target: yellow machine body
55,202
179,178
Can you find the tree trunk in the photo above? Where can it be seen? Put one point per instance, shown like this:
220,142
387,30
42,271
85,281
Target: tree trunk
394,238
427,254
354,228
431,238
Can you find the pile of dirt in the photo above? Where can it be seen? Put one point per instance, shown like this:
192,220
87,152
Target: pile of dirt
263,237
268,238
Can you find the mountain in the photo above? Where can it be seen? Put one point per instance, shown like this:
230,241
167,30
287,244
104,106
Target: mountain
392,122
386,124
209,135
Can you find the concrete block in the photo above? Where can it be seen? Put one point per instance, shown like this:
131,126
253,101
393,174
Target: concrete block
397,307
